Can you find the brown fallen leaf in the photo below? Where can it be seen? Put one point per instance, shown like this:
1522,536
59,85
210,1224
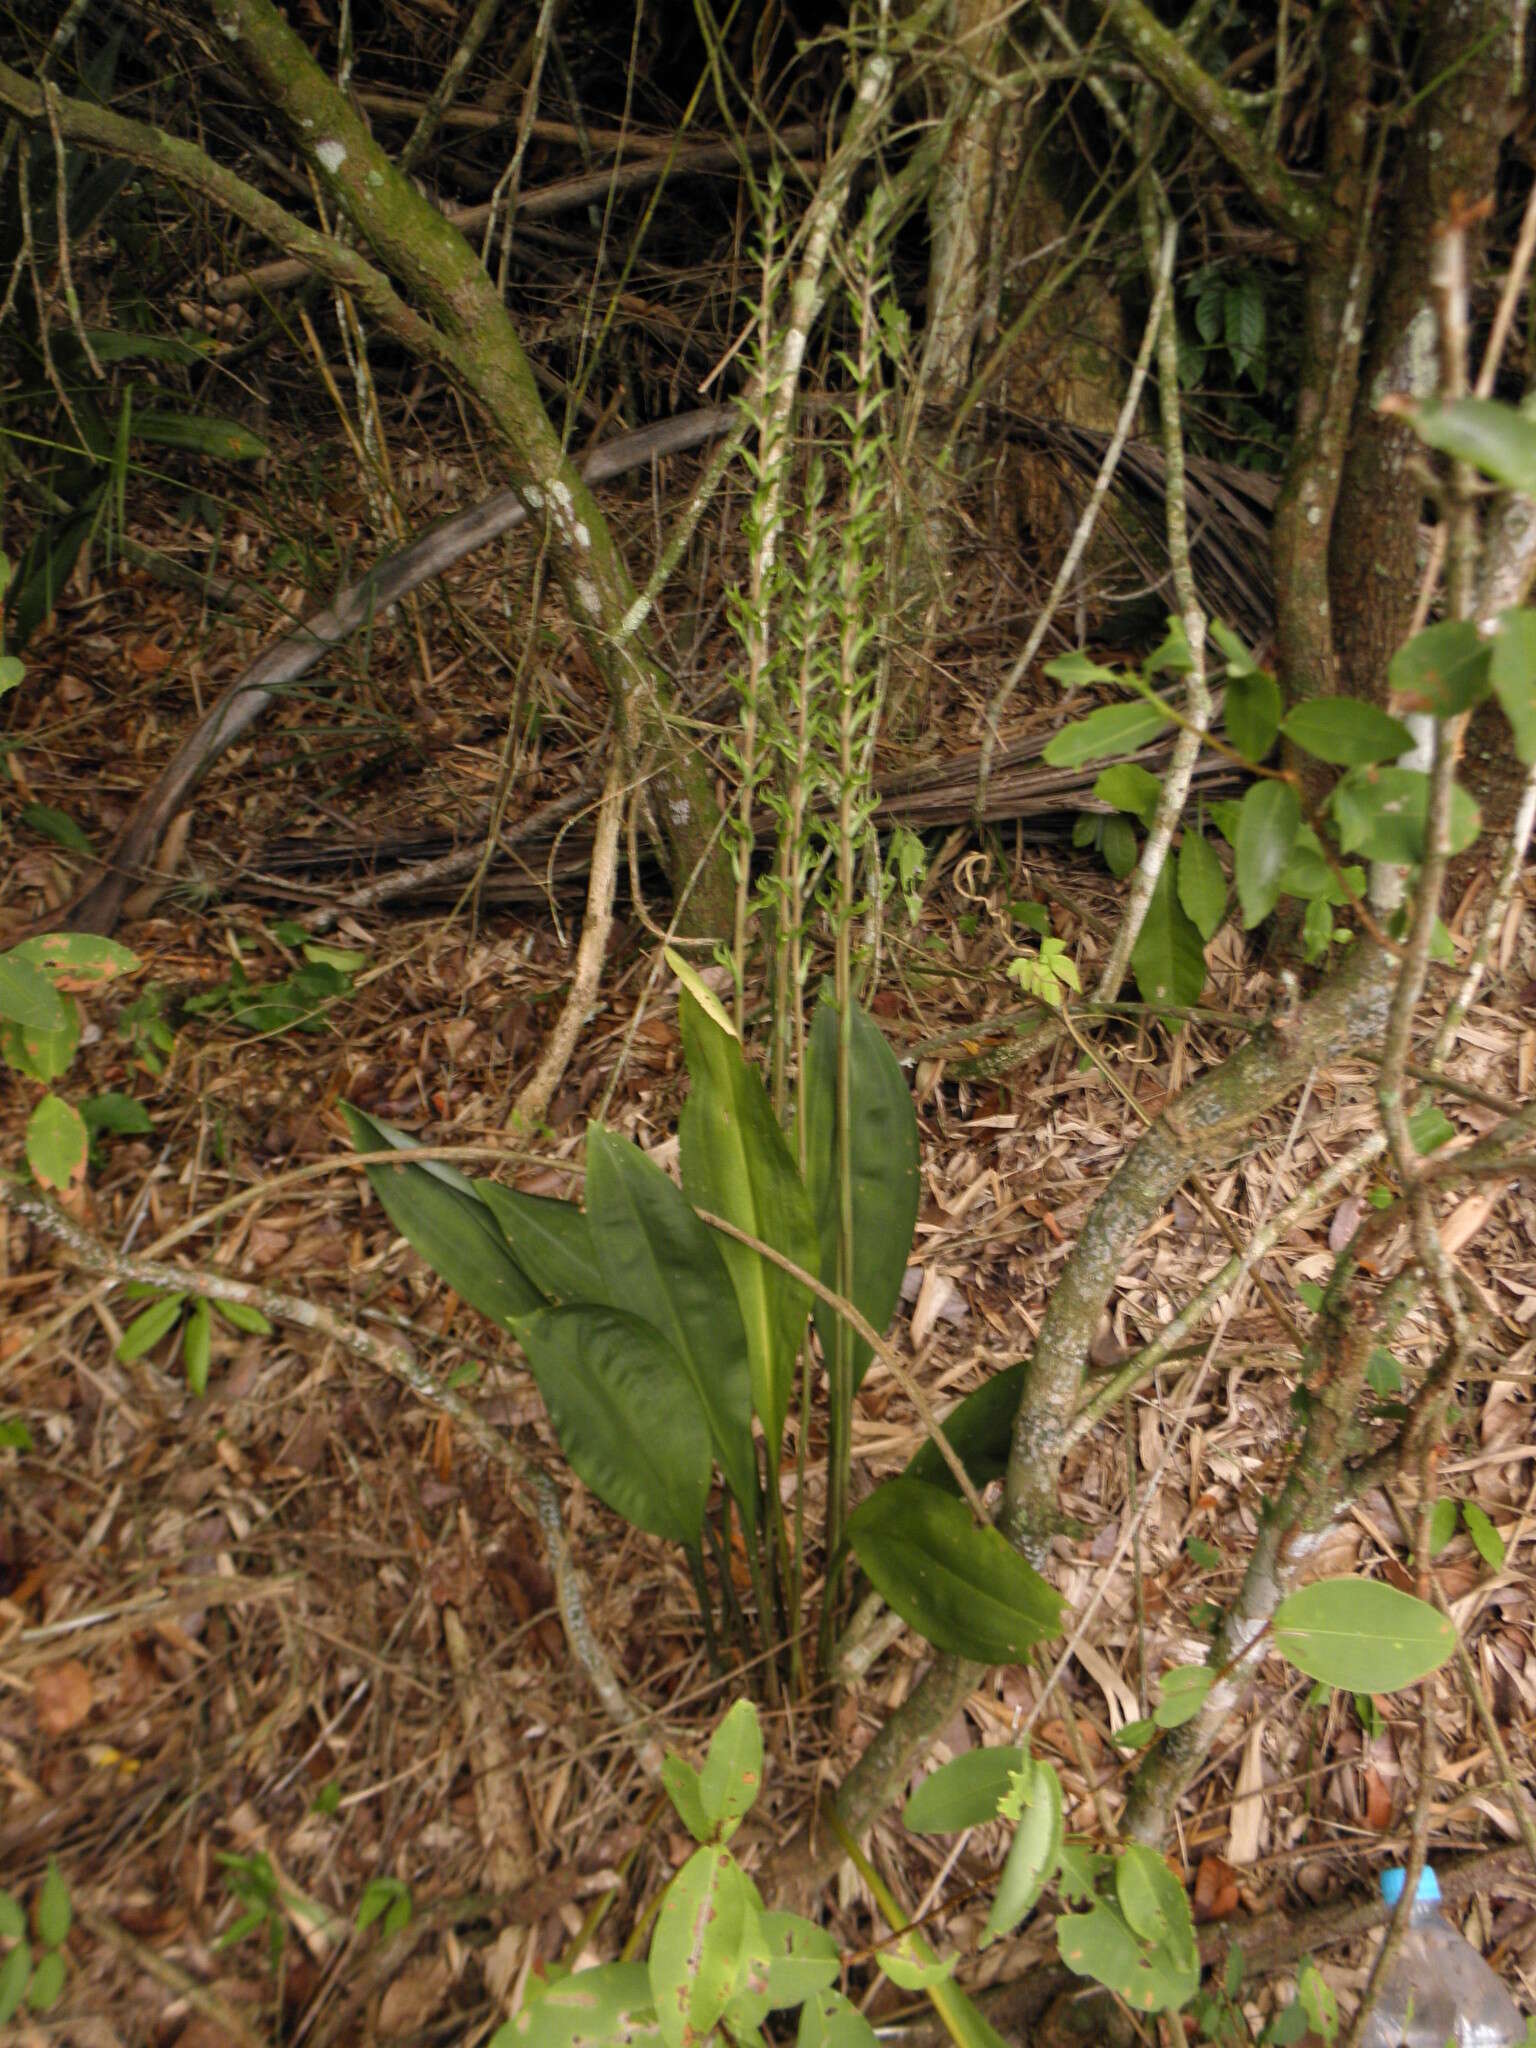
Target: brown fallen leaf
61,1696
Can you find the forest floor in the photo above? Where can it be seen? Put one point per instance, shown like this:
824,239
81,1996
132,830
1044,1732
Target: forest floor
286,1651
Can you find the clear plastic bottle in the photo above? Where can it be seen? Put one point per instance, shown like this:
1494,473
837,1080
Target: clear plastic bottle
1438,1993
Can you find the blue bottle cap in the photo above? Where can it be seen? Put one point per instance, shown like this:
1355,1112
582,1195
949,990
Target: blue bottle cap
1392,1882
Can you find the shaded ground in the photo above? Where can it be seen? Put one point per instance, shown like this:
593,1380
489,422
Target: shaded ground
298,1620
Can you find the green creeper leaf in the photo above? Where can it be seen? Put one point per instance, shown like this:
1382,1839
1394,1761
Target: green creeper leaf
1076,669
16,1974
1430,1128
1233,650
1171,656
803,1958
1252,715
1380,813
550,1240
13,1919
964,1589
44,1055
1443,670
827,2020
654,1251
197,1349
1099,1944
47,1982
1494,438
241,1317
694,1951
28,997
733,1770
345,959
1184,1691
1202,884
1118,841
116,1113
1155,1904
52,1913
1130,787
58,826
608,2005
1033,1855
1346,731
1113,729
1486,1540
146,1330
1512,671
1442,1525
737,1166
626,1414
981,1431
964,1793
1361,1635
57,1144
680,1782
1135,1734
439,1213
1266,832
883,1170
1168,959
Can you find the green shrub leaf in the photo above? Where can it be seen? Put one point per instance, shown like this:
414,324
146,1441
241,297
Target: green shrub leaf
1512,671
1202,884
1266,832
1168,959
1346,731
964,1793
1360,1635
1443,670
1113,729
610,2004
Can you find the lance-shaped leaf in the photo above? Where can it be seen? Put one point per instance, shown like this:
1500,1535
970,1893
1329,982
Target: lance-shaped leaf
659,1261
439,1213
964,1589
883,1170
705,1918
737,1166
626,1415
981,1431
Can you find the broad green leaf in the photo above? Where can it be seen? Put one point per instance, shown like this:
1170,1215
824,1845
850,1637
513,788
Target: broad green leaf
76,960
1168,959
1346,731
1033,1855
57,1144
241,1316
1442,1525
118,1114
1155,1904
439,1213
626,1414
1486,1540
803,1958
732,1775
827,2020
610,2005
45,1055
1266,832
1494,438
28,997
1443,670
50,823
146,1329
1361,1635
1113,729
883,1172
1075,669
694,1951
16,1974
47,1982
1117,840
1184,1691
551,1240
1099,1944
52,1913
1202,884
680,1782
915,1973
1252,714
659,1261
224,440
981,1431
963,1588
965,1793
737,1166
197,1349
1130,787
1512,670
1380,814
